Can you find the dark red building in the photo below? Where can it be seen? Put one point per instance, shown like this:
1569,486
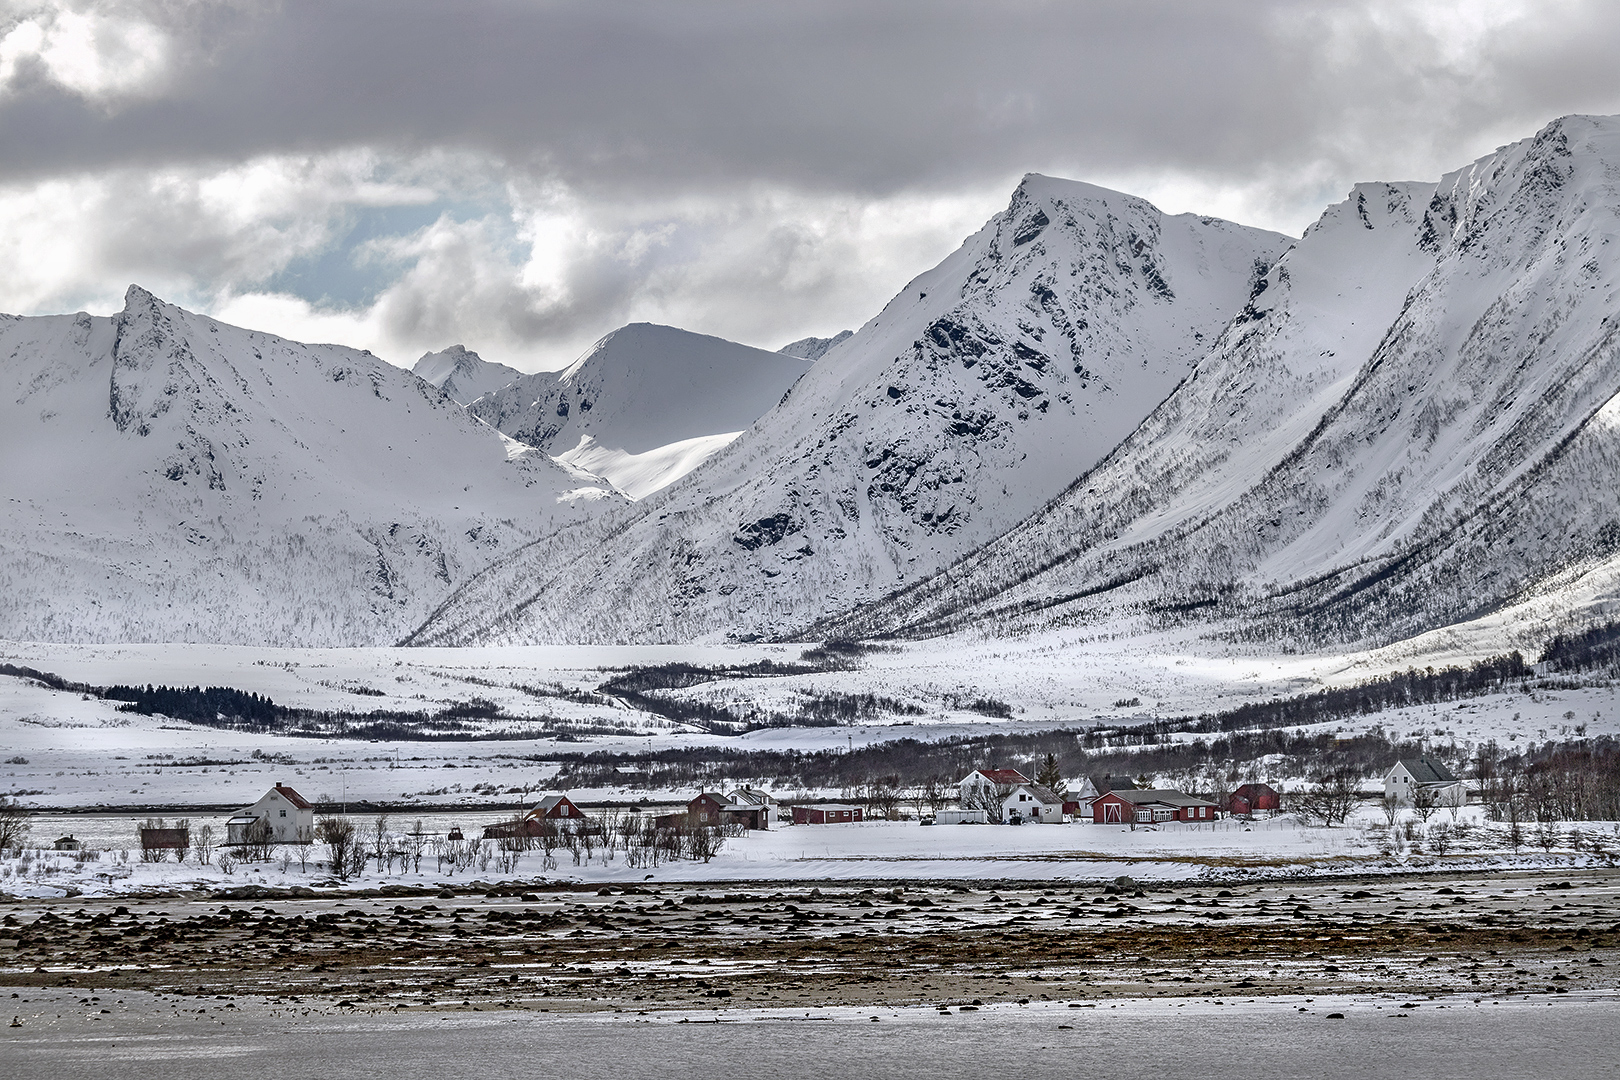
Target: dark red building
1252,798
826,814
1149,806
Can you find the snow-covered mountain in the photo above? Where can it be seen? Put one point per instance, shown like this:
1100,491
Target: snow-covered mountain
1413,422
814,348
645,406
976,395
171,478
463,374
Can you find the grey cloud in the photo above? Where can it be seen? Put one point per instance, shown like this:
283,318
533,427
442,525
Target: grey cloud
836,95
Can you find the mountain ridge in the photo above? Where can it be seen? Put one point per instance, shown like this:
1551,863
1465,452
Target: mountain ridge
981,389
1441,470
172,477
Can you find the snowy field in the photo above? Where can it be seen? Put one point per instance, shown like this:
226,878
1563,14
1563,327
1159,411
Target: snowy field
1226,851
63,750
1059,676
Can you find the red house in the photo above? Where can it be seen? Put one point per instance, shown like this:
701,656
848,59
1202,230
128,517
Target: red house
1149,806
826,814
556,806
552,807
1249,798
707,807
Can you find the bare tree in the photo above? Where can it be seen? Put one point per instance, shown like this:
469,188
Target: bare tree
150,854
13,823
415,845
258,842
1425,801
989,798
380,849
1329,801
703,841
1390,804
302,839
202,845
883,796
339,835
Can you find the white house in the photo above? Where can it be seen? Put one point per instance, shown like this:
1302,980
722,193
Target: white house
1031,802
285,810
752,798
999,781
1410,777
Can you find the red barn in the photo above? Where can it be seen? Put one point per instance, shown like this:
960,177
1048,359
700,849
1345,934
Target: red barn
826,814
1149,806
1249,798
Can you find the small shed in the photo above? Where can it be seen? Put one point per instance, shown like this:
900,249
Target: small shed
827,814
1251,799
961,817
165,839
66,843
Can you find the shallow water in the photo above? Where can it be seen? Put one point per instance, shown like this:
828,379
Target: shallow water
140,1037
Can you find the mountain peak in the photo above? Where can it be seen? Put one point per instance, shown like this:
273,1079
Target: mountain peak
644,389
462,373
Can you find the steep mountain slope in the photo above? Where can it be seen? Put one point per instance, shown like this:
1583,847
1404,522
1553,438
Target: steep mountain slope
172,478
646,405
976,395
463,374
1414,423
814,348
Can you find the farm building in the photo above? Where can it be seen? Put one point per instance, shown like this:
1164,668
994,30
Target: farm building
1424,778
747,807
1148,806
1250,799
165,839
826,814
1078,803
66,843
756,807
286,811
707,807
550,808
556,806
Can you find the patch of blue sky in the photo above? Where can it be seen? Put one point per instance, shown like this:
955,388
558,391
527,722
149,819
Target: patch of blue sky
347,273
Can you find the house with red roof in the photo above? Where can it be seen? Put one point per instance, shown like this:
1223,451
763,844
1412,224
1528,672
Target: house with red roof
287,813
973,787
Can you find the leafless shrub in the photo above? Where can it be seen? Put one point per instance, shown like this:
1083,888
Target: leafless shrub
13,823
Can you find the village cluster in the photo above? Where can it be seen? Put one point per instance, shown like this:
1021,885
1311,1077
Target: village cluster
986,796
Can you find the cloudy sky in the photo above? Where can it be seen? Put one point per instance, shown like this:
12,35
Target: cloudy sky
522,176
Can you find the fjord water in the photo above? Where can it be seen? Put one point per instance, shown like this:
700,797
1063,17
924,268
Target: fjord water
1274,1037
